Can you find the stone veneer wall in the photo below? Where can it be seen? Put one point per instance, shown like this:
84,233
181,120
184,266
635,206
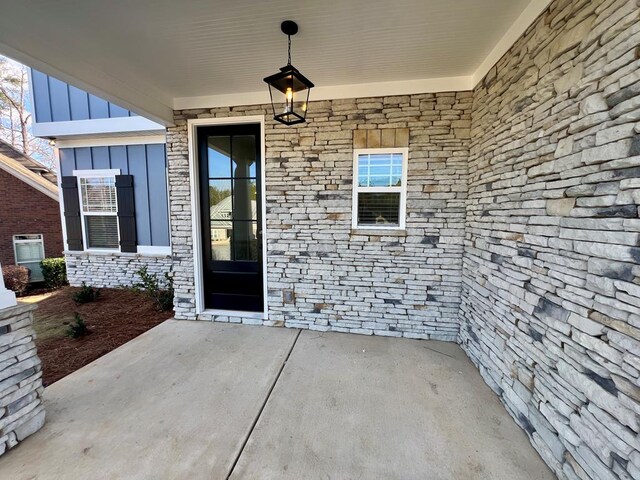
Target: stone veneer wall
551,297
21,409
113,269
321,274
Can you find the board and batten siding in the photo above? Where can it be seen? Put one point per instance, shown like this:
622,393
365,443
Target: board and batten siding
57,101
147,164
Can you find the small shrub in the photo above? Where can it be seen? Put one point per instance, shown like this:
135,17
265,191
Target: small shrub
162,296
86,294
78,328
16,278
54,271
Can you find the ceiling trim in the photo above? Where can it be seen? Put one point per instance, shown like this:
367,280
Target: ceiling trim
515,31
360,90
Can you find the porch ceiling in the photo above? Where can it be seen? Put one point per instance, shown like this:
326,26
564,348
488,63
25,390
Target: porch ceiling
155,55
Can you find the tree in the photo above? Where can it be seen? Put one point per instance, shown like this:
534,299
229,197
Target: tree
15,117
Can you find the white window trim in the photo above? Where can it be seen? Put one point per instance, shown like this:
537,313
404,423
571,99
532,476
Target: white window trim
99,173
16,242
402,189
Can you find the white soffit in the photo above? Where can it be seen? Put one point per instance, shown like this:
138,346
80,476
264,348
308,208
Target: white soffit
152,56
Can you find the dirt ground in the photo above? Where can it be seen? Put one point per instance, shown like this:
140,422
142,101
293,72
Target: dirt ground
115,318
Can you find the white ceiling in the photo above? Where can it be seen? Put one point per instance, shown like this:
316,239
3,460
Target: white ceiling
154,55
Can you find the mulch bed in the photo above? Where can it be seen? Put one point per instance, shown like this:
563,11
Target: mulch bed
115,318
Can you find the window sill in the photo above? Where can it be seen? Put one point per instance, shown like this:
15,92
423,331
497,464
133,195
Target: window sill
114,253
383,232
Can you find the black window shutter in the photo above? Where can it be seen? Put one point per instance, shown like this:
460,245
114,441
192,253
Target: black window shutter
126,213
72,218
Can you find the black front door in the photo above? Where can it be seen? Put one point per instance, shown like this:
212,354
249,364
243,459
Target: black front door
230,193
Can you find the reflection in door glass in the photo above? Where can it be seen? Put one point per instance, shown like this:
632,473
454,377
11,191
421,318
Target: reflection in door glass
234,240
245,243
244,199
220,199
244,156
219,152
220,240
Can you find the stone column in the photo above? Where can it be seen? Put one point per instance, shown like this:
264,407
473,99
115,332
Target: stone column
21,409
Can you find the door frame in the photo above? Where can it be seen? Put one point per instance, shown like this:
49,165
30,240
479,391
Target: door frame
194,179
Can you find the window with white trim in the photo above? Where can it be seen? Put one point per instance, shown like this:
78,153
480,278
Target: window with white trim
380,188
29,252
99,210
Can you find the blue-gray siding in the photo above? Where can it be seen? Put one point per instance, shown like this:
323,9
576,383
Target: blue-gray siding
57,101
148,165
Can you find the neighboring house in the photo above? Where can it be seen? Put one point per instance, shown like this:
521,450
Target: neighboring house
113,183
29,212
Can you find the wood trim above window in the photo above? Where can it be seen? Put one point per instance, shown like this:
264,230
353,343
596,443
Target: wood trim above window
381,138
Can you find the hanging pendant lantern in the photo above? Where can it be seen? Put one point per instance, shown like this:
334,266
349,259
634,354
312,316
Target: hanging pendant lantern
289,89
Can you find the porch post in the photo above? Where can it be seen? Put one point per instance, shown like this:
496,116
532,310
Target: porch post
7,297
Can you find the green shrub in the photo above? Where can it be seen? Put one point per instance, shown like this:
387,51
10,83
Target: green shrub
16,278
78,328
161,295
54,272
86,294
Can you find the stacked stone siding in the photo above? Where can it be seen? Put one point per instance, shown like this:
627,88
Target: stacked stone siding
21,409
113,269
321,274
551,298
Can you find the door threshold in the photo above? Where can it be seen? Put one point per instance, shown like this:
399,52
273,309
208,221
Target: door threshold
234,313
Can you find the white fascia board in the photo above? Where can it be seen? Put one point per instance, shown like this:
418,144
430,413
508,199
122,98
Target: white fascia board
98,126
515,31
108,141
27,176
360,90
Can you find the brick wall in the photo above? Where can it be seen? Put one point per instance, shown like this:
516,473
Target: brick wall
25,210
551,304
386,284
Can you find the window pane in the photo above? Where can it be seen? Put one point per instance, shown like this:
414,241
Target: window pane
219,153
244,199
98,194
234,240
244,239
35,271
379,209
244,156
28,252
102,231
380,170
220,199
220,240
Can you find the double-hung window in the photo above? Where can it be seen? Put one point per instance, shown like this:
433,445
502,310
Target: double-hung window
29,252
99,209
380,188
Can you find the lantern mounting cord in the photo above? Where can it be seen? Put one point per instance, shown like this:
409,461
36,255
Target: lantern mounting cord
289,50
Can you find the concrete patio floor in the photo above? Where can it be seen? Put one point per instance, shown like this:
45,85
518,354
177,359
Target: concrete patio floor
215,401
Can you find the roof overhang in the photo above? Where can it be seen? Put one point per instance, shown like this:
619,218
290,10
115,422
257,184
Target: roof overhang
153,57
27,176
